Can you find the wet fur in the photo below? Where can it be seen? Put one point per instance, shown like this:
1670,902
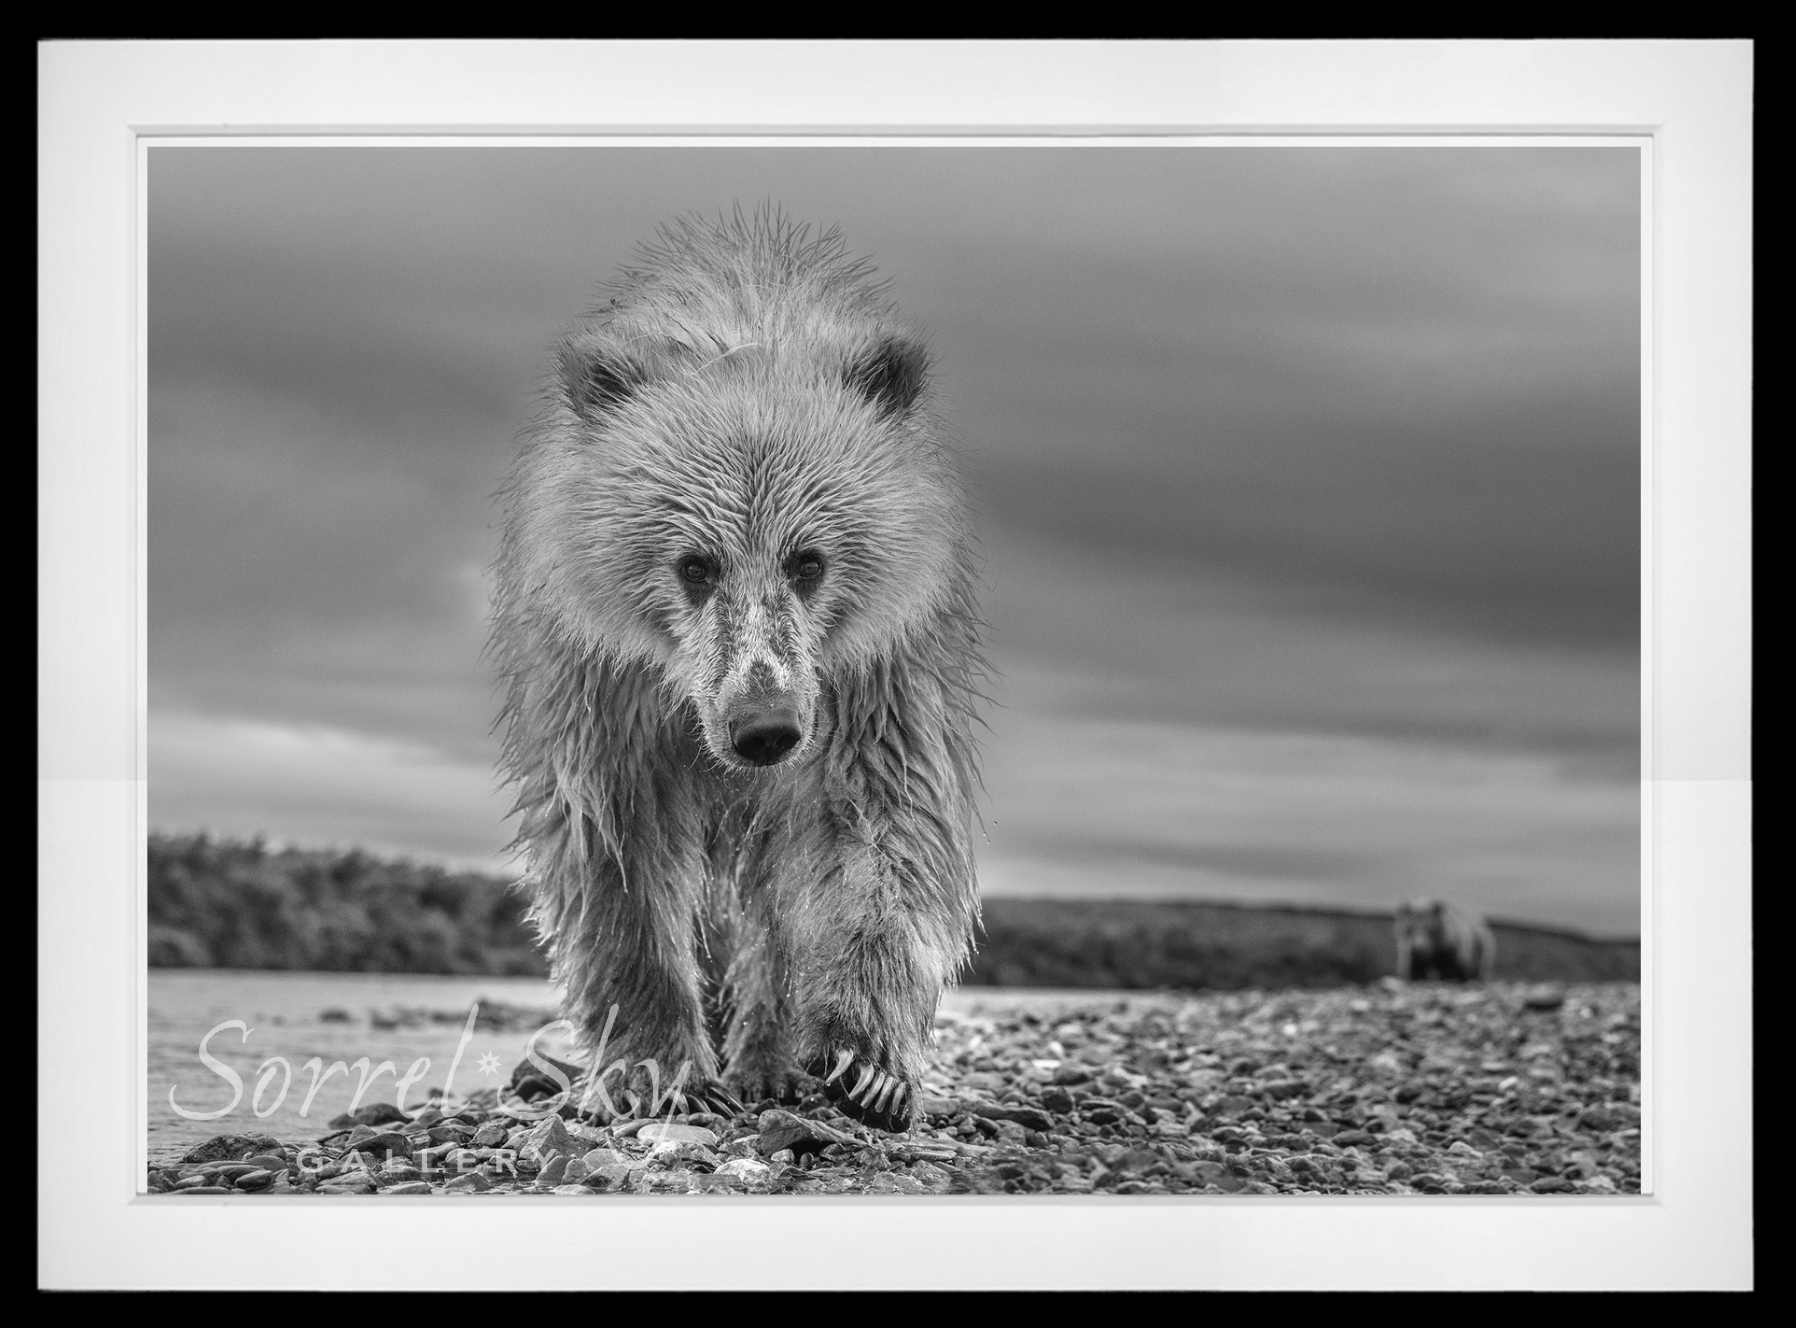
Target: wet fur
1436,939
747,392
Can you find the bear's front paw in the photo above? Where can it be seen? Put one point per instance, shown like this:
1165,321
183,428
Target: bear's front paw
758,1085
861,1089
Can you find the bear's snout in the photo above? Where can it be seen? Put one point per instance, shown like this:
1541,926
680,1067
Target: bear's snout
764,734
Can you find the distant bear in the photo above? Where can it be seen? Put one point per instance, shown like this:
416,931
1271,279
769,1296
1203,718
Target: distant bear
735,617
1436,939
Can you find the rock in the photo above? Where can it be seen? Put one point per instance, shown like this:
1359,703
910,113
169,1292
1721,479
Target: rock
684,1134
1552,1185
1072,1074
409,1187
554,1169
745,1168
470,1183
433,1158
231,1147
1544,996
1029,1117
894,1182
366,1139
611,1175
205,1189
335,1016
1279,1089
353,1182
491,1135
602,1157
271,1161
375,1113
782,1130
254,1180
1057,1100
569,1189
552,1137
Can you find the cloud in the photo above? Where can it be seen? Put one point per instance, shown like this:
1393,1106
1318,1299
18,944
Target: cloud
315,785
1335,447
1154,809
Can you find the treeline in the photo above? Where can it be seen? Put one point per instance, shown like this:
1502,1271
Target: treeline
229,904
1145,945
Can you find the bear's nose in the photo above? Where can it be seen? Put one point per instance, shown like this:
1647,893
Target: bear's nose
763,737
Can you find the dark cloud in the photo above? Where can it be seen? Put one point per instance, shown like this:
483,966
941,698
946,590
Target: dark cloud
1317,440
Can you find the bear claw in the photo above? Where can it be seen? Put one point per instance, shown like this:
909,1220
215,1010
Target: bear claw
876,1097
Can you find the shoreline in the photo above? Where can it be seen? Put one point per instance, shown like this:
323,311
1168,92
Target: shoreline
1394,1088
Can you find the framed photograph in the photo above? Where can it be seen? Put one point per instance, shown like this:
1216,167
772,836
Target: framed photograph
1267,541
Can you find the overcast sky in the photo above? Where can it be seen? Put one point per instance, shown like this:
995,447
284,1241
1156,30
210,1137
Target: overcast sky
1308,480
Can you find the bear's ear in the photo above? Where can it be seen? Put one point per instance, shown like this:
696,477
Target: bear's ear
597,379
891,374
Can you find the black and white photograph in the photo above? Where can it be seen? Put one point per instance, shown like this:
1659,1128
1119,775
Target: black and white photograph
1045,672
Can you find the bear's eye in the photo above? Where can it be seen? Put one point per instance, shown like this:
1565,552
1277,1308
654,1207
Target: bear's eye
806,568
695,572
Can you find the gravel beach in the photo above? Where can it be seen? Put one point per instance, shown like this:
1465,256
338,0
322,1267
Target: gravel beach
1392,1088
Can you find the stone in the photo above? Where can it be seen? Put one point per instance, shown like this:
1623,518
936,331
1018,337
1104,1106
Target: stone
231,1147
746,1169
353,1182
611,1176
491,1135
602,1157
254,1180
554,1169
687,1134
1032,1118
782,1130
552,1137
375,1113
471,1183
368,1139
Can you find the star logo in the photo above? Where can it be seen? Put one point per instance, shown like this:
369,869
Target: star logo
489,1063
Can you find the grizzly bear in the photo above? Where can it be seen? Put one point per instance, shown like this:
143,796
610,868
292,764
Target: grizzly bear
1436,939
736,624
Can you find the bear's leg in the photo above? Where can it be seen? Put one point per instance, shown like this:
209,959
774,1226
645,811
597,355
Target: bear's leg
757,1052
877,944
632,946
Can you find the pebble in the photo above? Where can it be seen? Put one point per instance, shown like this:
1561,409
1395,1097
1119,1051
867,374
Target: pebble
1409,1088
686,1134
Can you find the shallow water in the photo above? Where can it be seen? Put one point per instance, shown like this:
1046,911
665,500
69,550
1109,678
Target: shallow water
282,1012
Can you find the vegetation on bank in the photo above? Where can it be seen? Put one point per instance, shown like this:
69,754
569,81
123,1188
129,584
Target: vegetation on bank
219,903
231,904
